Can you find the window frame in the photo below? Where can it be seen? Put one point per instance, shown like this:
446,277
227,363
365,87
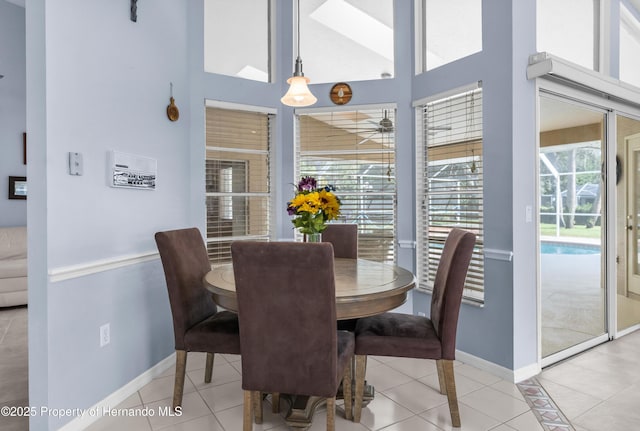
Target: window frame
364,251
269,194
474,292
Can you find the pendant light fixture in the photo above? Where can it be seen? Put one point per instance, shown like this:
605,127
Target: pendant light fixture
299,93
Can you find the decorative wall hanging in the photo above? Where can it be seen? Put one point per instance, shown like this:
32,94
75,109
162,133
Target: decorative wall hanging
340,93
134,10
17,187
172,110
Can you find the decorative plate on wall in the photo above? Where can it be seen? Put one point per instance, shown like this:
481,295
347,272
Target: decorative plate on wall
340,93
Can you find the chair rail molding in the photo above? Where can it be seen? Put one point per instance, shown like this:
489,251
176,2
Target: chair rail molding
74,271
495,254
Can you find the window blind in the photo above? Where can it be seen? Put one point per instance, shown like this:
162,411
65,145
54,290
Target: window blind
355,152
238,197
451,191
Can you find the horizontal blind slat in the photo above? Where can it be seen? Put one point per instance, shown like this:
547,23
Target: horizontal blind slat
450,162
348,150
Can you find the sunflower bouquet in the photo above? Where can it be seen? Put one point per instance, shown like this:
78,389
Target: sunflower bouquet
312,206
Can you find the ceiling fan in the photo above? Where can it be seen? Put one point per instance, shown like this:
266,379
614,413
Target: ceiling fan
385,125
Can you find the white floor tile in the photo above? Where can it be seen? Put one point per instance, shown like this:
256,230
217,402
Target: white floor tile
525,422
416,396
508,388
382,412
204,423
161,388
223,396
193,406
464,384
231,419
470,419
412,367
571,402
383,377
223,373
495,404
601,384
475,374
414,423
121,423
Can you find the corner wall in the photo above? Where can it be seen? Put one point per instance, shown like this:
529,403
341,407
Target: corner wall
100,82
13,120
503,331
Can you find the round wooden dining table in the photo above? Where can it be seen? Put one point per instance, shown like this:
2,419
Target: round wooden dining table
363,288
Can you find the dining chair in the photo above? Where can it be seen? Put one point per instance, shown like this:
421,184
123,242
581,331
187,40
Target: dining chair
198,325
344,238
288,337
403,335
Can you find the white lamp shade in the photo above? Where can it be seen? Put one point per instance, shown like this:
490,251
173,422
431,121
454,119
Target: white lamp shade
299,93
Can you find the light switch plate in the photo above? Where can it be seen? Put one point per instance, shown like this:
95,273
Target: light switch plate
76,166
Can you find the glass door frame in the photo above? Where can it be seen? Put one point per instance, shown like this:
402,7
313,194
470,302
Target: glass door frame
547,88
613,108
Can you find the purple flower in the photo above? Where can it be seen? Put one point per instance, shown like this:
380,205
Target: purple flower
307,184
291,210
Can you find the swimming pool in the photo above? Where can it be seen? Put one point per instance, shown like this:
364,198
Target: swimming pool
568,248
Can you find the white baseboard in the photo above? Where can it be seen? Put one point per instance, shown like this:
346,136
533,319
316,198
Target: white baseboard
498,370
112,400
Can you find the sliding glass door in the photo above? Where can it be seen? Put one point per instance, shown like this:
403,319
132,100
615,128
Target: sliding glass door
628,223
571,242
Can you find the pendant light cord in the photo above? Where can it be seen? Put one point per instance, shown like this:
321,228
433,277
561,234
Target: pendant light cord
298,27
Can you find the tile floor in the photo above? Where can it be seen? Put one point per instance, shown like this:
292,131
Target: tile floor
597,390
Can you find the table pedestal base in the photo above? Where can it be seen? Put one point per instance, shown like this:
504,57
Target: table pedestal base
302,408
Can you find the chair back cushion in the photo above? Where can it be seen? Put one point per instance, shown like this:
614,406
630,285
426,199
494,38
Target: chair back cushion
286,308
448,286
185,262
344,238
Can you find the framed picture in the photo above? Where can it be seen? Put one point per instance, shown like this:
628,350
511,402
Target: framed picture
17,187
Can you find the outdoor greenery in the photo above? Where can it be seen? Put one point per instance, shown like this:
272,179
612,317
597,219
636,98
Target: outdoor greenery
576,232
578,169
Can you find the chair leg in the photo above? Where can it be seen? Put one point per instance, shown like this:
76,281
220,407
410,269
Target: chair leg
450,383
361,363
257,406
443,387
178,384
247,417
331,414
275,402
208,369
346,391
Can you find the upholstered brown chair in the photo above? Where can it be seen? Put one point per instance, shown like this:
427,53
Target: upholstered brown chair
402,335
288,337
344,238
198,326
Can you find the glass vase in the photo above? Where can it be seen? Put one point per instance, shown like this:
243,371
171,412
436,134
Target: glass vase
313,237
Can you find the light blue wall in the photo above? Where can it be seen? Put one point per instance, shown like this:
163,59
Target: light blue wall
509,122
13,121
100,82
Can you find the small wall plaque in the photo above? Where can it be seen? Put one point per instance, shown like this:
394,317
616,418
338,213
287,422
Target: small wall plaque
131,171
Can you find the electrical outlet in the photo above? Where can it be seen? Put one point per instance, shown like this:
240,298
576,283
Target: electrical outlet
105,334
